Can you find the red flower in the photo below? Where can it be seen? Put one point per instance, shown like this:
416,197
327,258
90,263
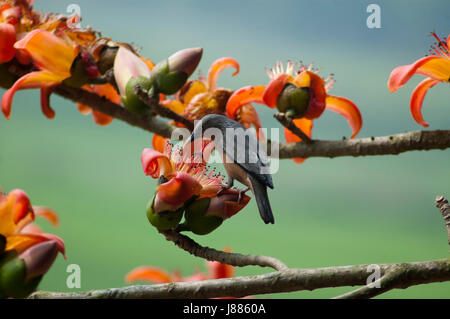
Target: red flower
301,95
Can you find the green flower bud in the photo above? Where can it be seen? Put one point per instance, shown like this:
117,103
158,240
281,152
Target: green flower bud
293,101
13,281
132,101
196,219
161,216
170,75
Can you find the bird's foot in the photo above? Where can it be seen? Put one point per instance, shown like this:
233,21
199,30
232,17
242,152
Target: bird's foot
242,191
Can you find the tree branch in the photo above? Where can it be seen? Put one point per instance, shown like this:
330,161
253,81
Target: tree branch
162,110
233,259
385,145
410,274
287,122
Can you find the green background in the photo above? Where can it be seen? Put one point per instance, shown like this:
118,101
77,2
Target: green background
342,211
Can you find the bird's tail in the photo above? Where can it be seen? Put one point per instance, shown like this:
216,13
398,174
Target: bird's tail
262,199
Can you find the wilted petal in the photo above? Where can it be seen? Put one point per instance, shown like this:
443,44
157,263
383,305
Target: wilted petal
217,67
347,109
244,96
317,93
417,97
150,274
179,189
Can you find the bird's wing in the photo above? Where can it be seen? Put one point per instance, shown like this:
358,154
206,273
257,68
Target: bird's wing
248,153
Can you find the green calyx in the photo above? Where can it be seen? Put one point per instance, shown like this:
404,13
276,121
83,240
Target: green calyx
165,81
12,277
132,101
164,220
106,58
196,220
78,73
293,101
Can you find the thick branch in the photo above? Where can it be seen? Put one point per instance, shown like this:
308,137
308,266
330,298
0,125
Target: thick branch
233,259
385,145
145,122
410,274
444,207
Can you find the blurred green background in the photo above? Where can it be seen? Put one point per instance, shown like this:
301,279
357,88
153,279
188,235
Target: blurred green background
328,212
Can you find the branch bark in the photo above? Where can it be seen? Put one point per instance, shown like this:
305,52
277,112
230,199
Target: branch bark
233,259
409,274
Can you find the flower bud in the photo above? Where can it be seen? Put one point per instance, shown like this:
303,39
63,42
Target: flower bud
106,58
293,101
12,277
170,75
7,40
130,70
206,214
162,215
39,258
83,68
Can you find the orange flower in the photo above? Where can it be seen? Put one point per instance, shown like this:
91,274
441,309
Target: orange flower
16,215
54,61
301,95
200,97
216,270
435,67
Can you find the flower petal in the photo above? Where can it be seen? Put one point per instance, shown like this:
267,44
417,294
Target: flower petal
56,56
217,67
273,90
248,116
316,90
46,91
155,163
148,273
126,66
31,80
159,143
174,105
47,214
306,126
244,96
7,40
417,97
179,189
347,109
401,74
15,211
438,69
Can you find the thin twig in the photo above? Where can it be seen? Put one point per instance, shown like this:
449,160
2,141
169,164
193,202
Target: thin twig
444,207
415,273
162,110
289,124
234,259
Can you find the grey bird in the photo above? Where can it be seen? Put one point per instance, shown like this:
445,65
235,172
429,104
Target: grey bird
243,157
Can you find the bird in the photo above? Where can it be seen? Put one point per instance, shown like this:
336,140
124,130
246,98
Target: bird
242,155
